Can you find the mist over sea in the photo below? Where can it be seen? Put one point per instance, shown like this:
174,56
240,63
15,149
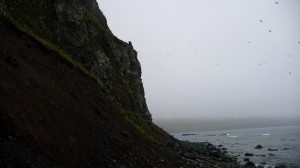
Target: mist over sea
212,124
281,145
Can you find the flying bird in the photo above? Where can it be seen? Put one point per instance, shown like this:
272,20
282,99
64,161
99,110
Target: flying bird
261,20
276,2
290,73
270,31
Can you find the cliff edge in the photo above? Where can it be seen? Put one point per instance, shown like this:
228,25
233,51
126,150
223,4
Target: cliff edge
71,94
80,30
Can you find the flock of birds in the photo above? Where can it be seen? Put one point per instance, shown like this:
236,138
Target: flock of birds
155,63
270,32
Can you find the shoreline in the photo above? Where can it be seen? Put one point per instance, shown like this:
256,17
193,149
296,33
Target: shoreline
203,154
266,147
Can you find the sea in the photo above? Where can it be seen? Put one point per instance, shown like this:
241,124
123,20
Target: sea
281,145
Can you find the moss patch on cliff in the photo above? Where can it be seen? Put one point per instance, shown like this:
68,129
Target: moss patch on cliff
119,99
134,118
123,90
48,44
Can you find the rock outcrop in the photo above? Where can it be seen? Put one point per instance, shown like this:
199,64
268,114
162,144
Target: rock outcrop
71,95
80,29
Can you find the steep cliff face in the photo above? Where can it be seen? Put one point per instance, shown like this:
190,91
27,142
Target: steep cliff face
54,115
79,29
71,95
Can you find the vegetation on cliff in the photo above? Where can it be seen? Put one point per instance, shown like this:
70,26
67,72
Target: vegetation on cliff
77,31
71,95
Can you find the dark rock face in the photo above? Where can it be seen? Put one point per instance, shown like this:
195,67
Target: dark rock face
59,112
53,115
80,29
259,147
250,164
249,154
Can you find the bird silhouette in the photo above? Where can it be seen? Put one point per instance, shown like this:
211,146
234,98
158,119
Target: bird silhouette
261,20
276,2
270,31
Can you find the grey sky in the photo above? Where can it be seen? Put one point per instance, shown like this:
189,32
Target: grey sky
214,58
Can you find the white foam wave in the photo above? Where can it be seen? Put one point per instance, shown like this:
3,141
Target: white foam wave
233,136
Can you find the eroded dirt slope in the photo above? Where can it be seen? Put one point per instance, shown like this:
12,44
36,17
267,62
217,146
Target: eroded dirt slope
53,114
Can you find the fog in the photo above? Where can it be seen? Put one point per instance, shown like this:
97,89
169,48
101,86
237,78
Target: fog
212,59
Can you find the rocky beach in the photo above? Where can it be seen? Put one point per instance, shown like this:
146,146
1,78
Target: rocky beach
270,147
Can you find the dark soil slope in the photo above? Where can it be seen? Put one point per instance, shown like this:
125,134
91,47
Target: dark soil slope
50,108
54,115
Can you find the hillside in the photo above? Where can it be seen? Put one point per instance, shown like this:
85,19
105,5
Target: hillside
71,95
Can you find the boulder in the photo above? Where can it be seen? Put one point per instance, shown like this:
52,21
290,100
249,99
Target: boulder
249,154
251,164
259,147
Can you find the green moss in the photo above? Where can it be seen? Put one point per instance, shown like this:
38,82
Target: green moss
26,20
91,18
135,118
144,133
60,52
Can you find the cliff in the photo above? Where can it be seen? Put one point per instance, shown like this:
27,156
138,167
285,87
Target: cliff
79,29
71,94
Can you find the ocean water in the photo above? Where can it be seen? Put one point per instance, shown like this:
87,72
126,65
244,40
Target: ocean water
281,145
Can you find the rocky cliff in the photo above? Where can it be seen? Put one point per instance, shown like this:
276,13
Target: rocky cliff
71,95
79,29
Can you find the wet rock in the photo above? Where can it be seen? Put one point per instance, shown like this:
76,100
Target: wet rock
249,154
270,149
224,148
250,164
246,159
259,147
260,166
